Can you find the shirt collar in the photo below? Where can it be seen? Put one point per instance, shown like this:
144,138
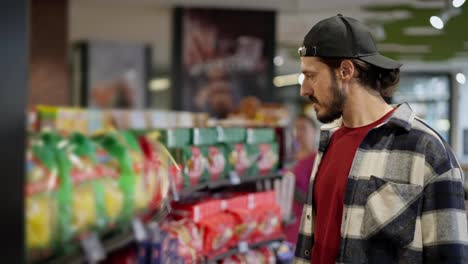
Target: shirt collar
403,117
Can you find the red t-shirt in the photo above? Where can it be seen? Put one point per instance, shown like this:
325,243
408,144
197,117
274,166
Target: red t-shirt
329,189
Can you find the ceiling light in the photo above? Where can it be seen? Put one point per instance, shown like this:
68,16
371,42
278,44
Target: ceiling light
442,19
460,77
458,3
437,22
278,61
159,84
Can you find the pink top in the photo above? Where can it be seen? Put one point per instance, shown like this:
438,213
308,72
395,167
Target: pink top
302,171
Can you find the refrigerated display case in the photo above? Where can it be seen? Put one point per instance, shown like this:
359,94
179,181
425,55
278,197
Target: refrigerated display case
430,96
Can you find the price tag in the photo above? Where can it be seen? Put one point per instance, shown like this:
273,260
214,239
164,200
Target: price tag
139,230
92,246
243,247
234,178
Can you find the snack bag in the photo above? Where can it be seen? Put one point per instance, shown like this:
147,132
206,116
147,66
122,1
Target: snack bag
42,223
217,164
88,193
217,231
115,163
264,158
196,166
190,241
156,167
241,206
196,210
269,221
268,215
245,224
113,195
239,161
64,192
145,183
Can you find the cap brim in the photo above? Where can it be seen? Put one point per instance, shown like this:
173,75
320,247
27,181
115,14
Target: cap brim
381,61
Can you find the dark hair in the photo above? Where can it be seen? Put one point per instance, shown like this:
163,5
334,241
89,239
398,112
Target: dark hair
383,80
309,120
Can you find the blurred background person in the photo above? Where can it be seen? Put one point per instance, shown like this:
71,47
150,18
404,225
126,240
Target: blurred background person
305,138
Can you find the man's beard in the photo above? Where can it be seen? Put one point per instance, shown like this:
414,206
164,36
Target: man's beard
334,109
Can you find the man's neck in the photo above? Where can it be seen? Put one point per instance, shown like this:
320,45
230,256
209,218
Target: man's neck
363,106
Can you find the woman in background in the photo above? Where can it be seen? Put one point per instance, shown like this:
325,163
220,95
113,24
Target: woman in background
305,133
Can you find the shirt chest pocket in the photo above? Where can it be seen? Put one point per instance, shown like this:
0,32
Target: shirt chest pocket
391,211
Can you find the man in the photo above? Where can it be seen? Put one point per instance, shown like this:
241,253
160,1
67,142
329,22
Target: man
385,187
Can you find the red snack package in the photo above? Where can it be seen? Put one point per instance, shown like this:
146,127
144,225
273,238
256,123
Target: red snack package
157,168
268,215
197,210
187,233
269,221
190,242
264,198
242,201
245,224
217,232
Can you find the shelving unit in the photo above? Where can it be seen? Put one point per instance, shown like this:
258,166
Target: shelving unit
226,183
110,243
236,250
119,240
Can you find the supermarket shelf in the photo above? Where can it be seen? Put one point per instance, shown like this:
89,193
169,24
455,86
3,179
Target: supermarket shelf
110,243
227,183
233,251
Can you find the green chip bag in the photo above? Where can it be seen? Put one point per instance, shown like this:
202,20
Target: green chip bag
263,158
142,196
41,205
119,195
238,159
88,196
217,162
64,192
196,165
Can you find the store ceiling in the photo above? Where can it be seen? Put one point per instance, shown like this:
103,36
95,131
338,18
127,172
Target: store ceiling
401,27
417,39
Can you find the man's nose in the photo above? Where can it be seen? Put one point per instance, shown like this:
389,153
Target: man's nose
304,91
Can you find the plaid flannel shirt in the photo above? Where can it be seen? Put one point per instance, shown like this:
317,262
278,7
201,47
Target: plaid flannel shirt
404,198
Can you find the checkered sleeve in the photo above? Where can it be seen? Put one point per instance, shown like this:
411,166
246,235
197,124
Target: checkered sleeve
443,219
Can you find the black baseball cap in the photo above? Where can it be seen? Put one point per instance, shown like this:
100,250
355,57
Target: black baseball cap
344,37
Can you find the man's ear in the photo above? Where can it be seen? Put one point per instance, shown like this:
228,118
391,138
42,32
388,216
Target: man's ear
346,70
